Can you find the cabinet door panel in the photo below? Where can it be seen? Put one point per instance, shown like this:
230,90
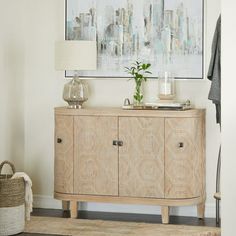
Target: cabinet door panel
141,158
183,150
96,159
63,172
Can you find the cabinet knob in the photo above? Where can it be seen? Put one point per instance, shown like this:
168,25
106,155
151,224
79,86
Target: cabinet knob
120,143
115,143
59,140
181,145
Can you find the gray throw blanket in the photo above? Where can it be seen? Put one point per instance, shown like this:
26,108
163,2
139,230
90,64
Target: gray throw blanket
214,72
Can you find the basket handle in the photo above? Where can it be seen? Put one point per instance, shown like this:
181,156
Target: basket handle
8,163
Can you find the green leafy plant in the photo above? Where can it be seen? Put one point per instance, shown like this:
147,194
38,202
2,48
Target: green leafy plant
139,72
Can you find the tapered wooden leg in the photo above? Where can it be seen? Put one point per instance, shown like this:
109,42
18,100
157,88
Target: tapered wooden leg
73,209
165,214
65,205
201,210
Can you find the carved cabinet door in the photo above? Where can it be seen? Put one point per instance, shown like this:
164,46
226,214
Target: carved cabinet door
141,158
183,150
95,156
63,166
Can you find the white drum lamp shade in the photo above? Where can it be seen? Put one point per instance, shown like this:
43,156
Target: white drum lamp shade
75,55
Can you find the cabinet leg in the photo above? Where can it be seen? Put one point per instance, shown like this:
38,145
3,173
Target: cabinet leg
201,210
73,209
65,205
165,214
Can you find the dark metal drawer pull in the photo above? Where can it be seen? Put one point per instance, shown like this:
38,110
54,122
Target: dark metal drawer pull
115,143
181,145
59,140
120,143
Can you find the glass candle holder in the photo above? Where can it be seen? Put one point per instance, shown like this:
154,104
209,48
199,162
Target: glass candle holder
166,87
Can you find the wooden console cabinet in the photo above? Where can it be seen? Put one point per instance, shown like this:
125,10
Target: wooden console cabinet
130,156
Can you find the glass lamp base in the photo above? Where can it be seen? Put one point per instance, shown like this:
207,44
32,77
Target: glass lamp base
75,93
75,105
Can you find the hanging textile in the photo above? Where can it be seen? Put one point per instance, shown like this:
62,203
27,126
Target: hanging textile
214,72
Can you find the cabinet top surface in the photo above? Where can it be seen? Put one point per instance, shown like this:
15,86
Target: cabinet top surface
106,111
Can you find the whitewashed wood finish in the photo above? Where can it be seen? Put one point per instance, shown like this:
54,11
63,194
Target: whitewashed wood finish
130,200
201,210
165,214
202,158
128,113
183,173
94,130
65,205
96,159
73,209
63,165
141,158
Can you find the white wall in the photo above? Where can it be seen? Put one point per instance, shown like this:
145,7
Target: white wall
44,24
228,117
12,83
42,90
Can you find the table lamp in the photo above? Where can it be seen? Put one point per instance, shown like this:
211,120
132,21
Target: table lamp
75,56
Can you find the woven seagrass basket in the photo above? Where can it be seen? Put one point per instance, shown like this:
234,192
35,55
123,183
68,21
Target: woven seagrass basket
12,203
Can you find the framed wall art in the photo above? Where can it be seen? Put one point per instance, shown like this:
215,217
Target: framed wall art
166,33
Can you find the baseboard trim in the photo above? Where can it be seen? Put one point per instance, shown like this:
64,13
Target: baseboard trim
48,202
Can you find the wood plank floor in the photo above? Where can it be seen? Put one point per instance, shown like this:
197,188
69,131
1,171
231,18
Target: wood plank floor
181,220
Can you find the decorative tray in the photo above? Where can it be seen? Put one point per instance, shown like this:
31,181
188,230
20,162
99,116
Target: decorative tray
160,106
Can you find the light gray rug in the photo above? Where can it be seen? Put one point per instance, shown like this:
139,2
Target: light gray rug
79,227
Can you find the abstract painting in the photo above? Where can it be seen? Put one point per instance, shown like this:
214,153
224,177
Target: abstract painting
166,33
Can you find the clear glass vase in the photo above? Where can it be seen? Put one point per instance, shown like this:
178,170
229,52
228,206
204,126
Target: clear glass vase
138,95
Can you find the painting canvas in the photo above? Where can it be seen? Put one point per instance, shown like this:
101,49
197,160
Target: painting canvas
166,33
